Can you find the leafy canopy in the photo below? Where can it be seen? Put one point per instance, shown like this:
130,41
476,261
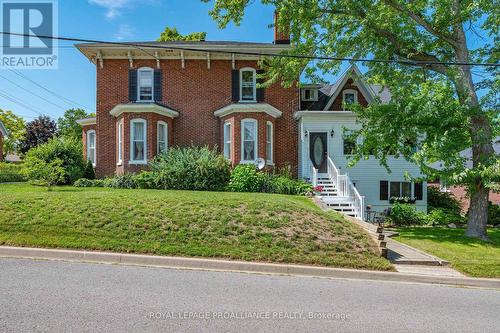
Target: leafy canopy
16,127
171,34
67,125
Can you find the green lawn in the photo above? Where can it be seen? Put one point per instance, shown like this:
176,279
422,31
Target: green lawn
470,256
248,226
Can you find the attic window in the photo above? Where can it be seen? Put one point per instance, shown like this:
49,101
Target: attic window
349,96
309,94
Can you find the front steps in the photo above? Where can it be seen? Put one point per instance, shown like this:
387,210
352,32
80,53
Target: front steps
329,195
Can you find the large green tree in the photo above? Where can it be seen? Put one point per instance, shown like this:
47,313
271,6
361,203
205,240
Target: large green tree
68,126
435,104
171,34
16,127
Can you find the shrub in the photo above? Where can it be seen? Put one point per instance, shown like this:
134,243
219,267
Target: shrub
41,172
89,172
440,216
246,178
284,185
405,214
69,152
10,173
437,199
493,214
125,181
83,182
192,168
145,180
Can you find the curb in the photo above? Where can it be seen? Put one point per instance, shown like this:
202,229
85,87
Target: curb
238,266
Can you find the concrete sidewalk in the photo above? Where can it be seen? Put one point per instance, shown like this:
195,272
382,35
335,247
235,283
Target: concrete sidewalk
241,266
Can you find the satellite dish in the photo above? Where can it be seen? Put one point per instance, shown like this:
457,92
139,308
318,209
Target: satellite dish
260,163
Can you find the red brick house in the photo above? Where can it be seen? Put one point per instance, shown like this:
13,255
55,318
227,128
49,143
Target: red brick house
3,134
163,94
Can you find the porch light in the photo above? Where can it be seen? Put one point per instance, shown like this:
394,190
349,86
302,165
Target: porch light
306,134
332,132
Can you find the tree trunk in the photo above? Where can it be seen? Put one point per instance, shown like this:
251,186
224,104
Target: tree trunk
481,138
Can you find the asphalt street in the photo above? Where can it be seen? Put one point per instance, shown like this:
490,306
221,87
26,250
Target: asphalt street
55,296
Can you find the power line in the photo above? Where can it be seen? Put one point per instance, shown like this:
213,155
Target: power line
64,99
297,56
34,94
18,102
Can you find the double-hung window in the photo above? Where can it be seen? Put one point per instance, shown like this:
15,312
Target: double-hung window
162,133
227,140
91,146
145,78
120,143
248,140
248,85
138,148
269,142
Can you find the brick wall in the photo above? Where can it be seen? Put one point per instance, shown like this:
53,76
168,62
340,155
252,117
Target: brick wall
196,92
337,103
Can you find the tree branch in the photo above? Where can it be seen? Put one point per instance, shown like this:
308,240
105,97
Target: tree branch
420,20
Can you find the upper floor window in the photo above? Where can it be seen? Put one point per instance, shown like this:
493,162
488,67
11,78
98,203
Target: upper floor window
309,95
91,146
145,83
248,85
350,96
269,142
138,148
248,140
162,134
227,140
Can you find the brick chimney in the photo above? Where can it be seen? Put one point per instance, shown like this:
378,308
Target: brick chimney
281,36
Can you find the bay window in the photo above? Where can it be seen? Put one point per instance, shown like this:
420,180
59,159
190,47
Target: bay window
269,142
162,135
138,148
248,140
91,146
227,140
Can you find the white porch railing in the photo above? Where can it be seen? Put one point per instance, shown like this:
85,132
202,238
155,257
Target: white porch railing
345,188
314,176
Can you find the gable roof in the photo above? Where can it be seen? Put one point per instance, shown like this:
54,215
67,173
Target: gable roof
329,92
3,130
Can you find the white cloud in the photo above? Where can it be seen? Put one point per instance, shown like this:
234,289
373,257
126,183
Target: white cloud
125,31
113,7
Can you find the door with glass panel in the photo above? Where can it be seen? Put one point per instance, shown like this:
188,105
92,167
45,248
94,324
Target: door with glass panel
318,151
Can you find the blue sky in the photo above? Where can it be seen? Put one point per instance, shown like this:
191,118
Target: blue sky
118,20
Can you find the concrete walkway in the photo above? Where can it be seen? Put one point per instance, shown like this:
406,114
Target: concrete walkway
402,254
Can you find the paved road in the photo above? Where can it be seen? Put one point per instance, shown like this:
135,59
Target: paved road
51,296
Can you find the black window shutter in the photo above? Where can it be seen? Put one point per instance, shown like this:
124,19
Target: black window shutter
235,85
384,190
260,91
418,191
132,85
158,85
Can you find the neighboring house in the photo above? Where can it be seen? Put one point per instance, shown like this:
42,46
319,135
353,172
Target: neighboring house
167,94
3,134
460,192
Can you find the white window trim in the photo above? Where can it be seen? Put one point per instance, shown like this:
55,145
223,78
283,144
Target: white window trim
139,84
158,136
227,140
120,143
245,69
271,161
315,95
145,160
256,139
349,91
95,146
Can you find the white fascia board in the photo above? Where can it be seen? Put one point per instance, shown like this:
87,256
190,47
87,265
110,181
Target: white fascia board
248,107
86,121
143,108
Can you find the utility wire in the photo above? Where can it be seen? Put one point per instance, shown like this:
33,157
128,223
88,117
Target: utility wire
297,56
20,103
64,99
